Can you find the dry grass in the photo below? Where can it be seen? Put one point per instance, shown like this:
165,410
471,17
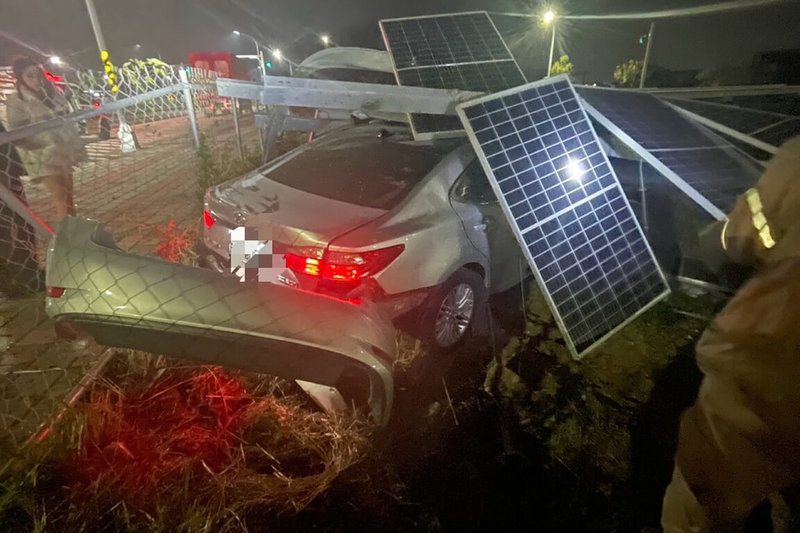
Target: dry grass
175,243
187,448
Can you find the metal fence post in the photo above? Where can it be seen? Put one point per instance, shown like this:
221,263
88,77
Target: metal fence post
235,112
187,94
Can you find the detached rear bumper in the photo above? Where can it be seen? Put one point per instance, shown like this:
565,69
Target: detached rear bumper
145,303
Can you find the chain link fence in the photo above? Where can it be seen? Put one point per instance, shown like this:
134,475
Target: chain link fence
137,160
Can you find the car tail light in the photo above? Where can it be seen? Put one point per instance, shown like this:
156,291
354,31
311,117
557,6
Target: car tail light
55,292
208,220
303,265
343,266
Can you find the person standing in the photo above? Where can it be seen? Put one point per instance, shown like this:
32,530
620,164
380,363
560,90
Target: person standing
50,156
740,442
19,268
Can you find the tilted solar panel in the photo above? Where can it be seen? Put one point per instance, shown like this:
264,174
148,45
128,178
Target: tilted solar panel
566,208
452,51
709,170
771,128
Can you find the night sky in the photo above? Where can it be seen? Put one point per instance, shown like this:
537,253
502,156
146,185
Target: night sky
176,27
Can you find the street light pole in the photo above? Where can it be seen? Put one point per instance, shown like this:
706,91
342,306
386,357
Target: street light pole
260,56
647,54
550,18
98,33
552,49
125,134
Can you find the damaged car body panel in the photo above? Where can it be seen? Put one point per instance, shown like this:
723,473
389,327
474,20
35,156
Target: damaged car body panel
145,303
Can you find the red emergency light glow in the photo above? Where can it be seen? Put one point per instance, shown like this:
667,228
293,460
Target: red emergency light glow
53,78
344,266
208,220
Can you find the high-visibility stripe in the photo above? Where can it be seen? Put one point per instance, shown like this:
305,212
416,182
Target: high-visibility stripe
759,219
723,235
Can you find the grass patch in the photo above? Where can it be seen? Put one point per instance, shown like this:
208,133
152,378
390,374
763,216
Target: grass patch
180,448
217,166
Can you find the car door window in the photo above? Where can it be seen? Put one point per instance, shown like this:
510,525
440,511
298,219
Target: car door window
473,186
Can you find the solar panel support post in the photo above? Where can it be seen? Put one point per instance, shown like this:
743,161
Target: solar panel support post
643,193
687,189
351,96
647,54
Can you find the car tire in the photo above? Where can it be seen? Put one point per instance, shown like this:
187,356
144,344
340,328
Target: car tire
443,324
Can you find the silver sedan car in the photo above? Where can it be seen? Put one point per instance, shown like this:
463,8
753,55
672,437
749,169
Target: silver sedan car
366,212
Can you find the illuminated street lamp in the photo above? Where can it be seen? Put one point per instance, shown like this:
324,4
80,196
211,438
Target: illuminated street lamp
261,67
549,18
278,55
325,40
55,60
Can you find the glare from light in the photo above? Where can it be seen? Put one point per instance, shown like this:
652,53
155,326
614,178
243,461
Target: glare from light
55,60
138,45
277,54
325,40
237,32
549,17
574,170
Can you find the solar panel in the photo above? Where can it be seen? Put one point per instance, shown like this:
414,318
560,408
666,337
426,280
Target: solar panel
771,128
706,168
452,51
566,208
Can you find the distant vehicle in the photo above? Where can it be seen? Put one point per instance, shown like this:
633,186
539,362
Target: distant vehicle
345,63
366,212
146,303
226,65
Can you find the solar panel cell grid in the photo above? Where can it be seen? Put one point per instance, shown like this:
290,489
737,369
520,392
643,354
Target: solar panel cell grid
443,40
566,208
458,51
777,134
738,118
702,165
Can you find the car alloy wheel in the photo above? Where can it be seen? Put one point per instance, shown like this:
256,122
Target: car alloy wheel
455,315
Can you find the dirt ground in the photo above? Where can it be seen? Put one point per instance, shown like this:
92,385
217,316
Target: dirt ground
509,434
557,445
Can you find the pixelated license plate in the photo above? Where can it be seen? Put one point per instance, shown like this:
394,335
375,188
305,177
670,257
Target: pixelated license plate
257,260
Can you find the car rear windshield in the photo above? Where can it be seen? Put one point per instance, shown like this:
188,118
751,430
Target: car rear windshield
369,172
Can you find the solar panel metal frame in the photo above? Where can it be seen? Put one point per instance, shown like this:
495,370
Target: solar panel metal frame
518,235
426,136
727,130
646,155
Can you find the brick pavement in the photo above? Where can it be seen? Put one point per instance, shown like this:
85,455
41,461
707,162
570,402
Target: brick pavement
130,193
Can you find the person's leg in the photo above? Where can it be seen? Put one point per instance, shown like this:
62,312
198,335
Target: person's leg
61,190
69,187
681,512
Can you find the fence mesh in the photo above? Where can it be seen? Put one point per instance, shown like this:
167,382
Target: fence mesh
128,159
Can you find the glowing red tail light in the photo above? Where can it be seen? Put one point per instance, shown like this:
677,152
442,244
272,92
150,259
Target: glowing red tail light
303,265
55,292
208,220
344,266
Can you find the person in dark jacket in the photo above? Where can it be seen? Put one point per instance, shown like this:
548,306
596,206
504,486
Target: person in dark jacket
19,268
49,157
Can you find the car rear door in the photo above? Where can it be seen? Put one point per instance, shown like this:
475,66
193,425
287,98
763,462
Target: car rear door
485,223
